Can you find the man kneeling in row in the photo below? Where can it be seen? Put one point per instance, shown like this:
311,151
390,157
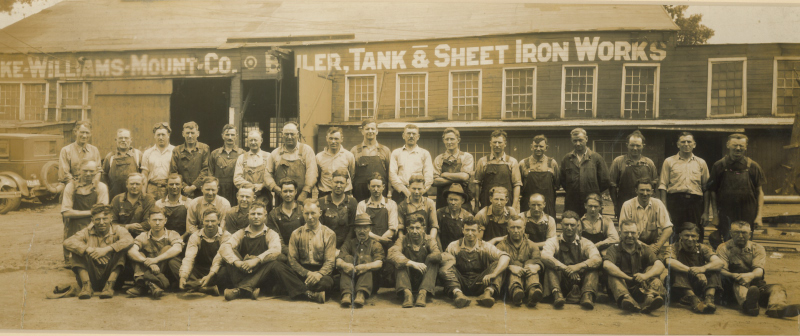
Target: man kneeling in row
417,257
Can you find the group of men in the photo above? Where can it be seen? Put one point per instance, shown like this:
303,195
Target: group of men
208,222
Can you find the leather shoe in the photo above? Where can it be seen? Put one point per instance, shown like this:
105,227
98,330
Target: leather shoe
486,298
360,299
86,291
231,294
628,304
155,291
651,304
318,297
461,300
710,306
108,291
408,299
587,301
517,296
347,299
534,296
750,304
781,311
558,299
422,298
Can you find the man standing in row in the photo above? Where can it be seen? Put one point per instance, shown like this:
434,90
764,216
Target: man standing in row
251,169
71,156
293,160
130,209
118,165
190,160
78,198
332,158
222,163
409,160
497,170
539,176
627,169
370,157
682,186
452,166
582,172
156,161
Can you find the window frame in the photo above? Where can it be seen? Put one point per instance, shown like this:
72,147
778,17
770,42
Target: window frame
85,98
397,93
656,87
711,61
775,84
564,87
450,93
347,94
535,88
21,113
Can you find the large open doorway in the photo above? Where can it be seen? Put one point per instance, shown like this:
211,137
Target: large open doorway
205,101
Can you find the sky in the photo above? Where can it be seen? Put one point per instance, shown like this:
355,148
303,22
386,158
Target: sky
731,23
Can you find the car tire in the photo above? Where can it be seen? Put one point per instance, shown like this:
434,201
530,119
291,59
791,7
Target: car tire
9,204
49,175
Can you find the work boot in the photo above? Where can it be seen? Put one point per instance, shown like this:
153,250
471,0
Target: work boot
408,300
318,297
347,299
254,293
108,290
697,305
486,298
86,291
422,298
155,291
628,304
652,303
136,290
231,294
781,311
534,296
210,290
558,299
517,295
710,306
750,304
574,295
360,299
587,301
460,300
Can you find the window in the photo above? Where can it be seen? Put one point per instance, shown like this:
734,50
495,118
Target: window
275,130
478,148
727,88
465,95
44,148
519,93
4,149
786,94
23,101
578,95
640,91
610,149
75,100
360,97
412,95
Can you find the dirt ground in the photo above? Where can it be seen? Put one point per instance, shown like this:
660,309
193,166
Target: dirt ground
32,265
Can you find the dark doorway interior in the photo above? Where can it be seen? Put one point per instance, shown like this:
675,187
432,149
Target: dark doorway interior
204,101
267,106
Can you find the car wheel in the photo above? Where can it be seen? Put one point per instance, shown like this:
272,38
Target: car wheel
9,204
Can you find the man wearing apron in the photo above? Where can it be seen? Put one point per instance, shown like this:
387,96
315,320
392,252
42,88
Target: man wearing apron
479,268
539,226
191,160
694,271
155,257
539,176
418,204
371,157
496,215
118,165
682,186
597,228
452,217
156,161
497,170
174,205
583,172
651,216
292,160
331,159
287,217
222,163
130,208
71,156
409,160
79,197
627,169
202,261
572,264
251,168
338,210
736,188
382,212
452,166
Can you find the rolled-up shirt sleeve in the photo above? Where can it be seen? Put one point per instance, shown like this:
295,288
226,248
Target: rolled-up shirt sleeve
594,259
238,172
493,252
311,168
191,252
394,224
394,179
427,169
125,239
274,245
516,176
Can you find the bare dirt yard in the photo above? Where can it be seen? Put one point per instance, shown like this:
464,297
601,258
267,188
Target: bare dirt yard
30,250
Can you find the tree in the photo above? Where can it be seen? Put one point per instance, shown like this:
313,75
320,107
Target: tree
692,31
6,6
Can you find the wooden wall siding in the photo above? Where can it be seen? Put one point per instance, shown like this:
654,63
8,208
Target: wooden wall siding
766,148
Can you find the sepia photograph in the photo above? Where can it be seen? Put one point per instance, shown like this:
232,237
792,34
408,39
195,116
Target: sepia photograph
446,166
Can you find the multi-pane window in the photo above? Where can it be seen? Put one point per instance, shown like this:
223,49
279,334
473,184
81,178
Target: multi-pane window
579,91
23,101
75,100
478,148
275,130
610,149
465,95
787,97
412,95
360,97
519,93
640,92
726,87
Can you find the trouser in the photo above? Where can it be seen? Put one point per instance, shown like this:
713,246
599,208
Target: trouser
383,277
683,208
638,291
412,279
325,284
682,280
98,274
233,277
770,295
157,188
363,283
525,283
472,283
557,280
169,270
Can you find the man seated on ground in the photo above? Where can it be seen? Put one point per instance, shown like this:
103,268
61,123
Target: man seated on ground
250,260
286,217
743,276
539,226
383,213
694,268
196,207
525,265
155,257
174,204
571,263
312,252
479,267
633,272
130,209
416,256
418,203
98,253
452,217
494,217
338,208
201,260
237,217
358,259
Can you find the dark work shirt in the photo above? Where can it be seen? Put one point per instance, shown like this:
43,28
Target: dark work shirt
364,253
285,225
700,256
191,165
630,263
756,174
221,163
123,212
338,217
588,176
236,220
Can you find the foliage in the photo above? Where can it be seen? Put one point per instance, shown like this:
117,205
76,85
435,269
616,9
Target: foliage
692,31
7,5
